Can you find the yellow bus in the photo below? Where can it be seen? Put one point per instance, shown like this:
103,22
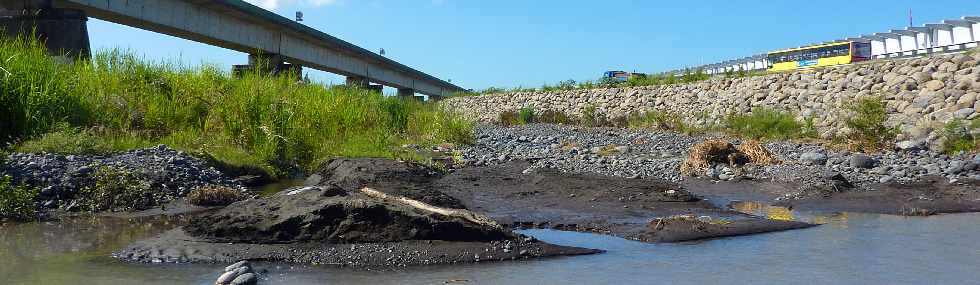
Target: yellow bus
819,55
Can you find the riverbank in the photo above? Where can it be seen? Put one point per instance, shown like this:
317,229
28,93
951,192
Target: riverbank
808,174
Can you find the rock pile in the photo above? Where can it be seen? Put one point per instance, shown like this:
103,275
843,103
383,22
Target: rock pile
167,172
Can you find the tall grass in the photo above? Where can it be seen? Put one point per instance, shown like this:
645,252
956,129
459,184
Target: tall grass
274,123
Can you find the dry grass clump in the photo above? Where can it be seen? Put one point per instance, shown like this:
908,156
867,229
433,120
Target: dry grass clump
757,153
213,196
701,155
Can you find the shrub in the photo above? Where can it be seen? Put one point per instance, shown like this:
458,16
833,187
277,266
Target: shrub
591,117
868,123
958,136
213,196
566,84
554,117
764,123
507,118
117,189
17,202
525,116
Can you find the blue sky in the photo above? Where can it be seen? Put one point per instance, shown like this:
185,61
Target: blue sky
508,43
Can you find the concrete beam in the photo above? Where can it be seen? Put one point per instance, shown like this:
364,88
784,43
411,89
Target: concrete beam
940,26
958,23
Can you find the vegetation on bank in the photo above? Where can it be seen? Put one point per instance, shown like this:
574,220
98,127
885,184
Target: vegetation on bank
870,133
117,101
766,123
961,136
868,123
633,81
16,200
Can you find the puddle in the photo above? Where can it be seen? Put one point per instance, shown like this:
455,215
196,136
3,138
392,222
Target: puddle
785,214
275,187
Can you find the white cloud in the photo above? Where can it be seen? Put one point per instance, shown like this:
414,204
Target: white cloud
275,4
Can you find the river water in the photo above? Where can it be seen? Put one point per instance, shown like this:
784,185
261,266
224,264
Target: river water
848,248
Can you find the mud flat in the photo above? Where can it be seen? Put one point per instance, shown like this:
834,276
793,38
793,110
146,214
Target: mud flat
647,210
925,197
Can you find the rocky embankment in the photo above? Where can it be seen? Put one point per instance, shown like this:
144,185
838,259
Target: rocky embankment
67,182
921,94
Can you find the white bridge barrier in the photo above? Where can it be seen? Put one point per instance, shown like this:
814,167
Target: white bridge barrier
946,37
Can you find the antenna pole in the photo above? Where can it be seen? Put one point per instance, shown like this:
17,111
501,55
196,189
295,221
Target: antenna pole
910,17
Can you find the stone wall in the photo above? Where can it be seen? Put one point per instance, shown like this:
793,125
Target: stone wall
921,95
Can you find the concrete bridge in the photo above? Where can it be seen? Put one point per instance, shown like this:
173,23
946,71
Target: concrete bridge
274,43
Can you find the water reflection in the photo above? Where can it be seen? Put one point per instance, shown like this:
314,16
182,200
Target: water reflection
786,214
275,187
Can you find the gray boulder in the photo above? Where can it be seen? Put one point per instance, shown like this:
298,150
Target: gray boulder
862,161
813,158
910,145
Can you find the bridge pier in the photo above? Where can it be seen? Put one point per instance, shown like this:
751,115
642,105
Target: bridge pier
363,83
273,64
406,92
63,31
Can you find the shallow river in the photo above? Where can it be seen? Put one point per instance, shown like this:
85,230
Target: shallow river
848,249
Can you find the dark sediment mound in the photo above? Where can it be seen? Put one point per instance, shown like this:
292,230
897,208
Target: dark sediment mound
332,215
406,179
343,219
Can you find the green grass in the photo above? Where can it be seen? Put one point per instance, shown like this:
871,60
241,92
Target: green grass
764,123
117,101
16,201
868,123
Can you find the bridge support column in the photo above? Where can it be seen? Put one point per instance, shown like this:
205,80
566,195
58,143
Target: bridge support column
406,92
358,81
63,31
363,83
273,64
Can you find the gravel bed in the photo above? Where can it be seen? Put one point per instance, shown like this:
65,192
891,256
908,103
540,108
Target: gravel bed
656,154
